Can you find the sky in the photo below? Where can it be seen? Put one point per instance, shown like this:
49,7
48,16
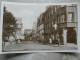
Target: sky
28,12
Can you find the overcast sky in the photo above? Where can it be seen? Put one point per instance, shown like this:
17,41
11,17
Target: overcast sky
28,13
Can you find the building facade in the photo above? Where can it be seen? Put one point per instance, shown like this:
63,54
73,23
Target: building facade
67,23
19,33
40,29
58,25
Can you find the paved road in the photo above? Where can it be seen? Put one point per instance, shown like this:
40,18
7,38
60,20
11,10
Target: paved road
32,46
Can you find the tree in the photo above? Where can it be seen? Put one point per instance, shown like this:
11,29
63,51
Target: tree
9,24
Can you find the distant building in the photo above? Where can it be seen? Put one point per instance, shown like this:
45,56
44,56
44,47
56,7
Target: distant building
40,29
19,33
34,31
28,34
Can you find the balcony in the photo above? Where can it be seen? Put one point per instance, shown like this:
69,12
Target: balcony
67,24
71,24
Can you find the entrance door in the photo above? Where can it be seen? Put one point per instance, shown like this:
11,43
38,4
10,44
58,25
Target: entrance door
71,36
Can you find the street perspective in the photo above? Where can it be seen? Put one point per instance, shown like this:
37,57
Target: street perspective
40,56
39,27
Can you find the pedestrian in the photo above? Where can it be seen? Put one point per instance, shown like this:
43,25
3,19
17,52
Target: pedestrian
11,39
50,41
58,39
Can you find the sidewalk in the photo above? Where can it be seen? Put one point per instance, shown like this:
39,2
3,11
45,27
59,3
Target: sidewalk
71,45
31,46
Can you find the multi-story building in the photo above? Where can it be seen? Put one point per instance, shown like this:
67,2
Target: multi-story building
45,24
19,33
34,31
58,24
40,28
67,23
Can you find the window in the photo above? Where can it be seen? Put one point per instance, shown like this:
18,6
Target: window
62,18
70,17
58,19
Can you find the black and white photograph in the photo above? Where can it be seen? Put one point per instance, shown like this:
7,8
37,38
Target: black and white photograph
39,27
40,56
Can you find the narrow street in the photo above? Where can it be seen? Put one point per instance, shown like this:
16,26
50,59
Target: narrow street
50,28
32,46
